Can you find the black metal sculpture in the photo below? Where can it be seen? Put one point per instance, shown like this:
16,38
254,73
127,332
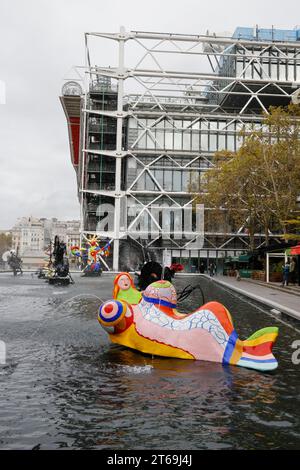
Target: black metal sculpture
60,272
15,263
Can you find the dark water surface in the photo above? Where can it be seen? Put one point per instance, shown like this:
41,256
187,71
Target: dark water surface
65,385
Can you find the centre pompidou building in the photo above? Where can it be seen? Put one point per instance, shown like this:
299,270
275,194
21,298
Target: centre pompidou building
143,130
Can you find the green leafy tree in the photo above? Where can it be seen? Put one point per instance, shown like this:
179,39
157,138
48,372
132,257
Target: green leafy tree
294,229
258,185
5,243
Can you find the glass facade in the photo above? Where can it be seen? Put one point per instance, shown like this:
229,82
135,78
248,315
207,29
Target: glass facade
204,135
281,65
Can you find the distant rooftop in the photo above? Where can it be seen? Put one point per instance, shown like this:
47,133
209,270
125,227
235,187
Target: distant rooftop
263,34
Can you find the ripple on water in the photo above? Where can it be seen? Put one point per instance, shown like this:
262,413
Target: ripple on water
67,386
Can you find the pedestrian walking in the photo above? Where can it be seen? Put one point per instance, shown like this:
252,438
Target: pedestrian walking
212,269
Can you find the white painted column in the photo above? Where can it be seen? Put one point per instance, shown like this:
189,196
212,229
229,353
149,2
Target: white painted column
83,160
116,246
268,267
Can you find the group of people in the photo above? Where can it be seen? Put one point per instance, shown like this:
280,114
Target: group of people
212,269
289,272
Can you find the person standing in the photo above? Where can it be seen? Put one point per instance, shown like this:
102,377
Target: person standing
286,273
292,272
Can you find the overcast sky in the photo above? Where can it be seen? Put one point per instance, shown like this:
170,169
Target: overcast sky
40,40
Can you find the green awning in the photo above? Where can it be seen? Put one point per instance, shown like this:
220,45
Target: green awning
244,258
238,259
232,259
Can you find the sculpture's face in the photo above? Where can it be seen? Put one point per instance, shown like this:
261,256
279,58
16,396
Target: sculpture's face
115,316
124,282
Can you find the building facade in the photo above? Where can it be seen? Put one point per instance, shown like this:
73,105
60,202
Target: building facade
28,241
31,237
142,134
28,235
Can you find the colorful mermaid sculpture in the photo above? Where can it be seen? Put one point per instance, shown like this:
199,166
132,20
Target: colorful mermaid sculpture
92,253
124,289
153,326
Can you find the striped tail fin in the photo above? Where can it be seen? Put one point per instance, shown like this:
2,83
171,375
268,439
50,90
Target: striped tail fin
256,351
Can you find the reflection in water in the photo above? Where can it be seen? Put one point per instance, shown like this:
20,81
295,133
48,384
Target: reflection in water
67,386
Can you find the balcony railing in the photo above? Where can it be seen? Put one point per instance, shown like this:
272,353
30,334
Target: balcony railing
99,128
103,168
101,186
99,146
103,88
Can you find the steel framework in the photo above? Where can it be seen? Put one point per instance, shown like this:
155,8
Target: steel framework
178,99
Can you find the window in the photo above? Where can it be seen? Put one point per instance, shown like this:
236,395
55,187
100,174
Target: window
131,162
176,180
140,184
150,141
159,176
150,123
195,141
231,143
222,143
186,140
248,71
168,180
239,68
213,142
298,67
204,125
204,142
282,72
149,183
185,180
177,140
132,124
274,71
266,72
195,125
142,141
185,124
291,71
169,139
239,141
160,138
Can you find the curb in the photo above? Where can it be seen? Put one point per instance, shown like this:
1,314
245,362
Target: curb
269,303
285,290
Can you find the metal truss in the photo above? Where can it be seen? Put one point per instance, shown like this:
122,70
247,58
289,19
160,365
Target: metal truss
174,77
